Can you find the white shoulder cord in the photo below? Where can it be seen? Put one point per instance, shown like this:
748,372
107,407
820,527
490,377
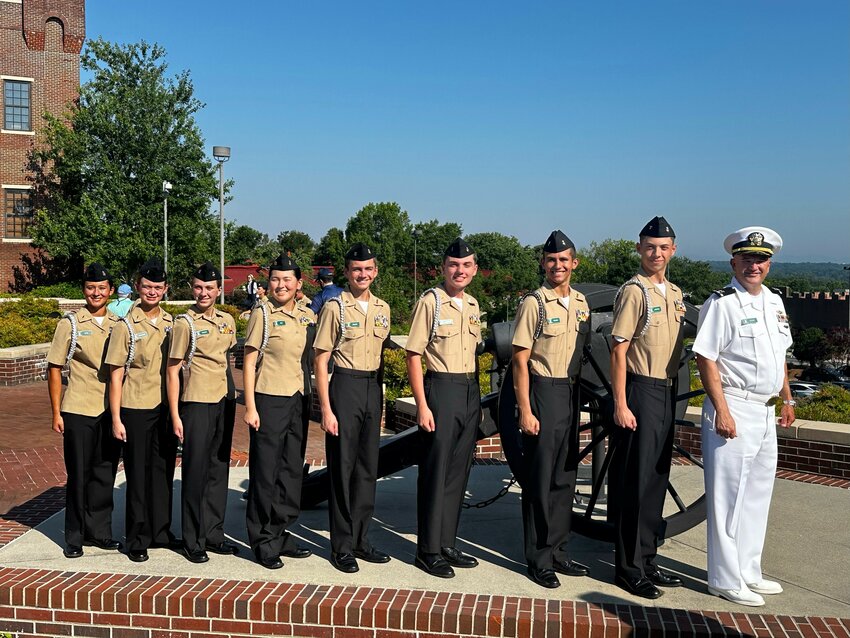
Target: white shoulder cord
541,312
437,304
131,348
266,331
193,339
634,281
341,332
75,333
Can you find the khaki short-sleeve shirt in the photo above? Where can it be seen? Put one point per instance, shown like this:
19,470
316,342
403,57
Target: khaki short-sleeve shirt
279,371
363,337
655,354
557,351
144,383
215,336
87,375
458,333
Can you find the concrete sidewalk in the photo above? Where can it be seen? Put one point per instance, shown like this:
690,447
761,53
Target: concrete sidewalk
808,549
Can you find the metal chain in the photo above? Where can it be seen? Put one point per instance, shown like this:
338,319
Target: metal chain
492,499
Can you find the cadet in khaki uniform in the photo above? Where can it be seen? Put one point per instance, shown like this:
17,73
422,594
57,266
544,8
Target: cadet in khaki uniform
91,454
647,335
351,406
202,338
137,354
551,329
274,390
445,330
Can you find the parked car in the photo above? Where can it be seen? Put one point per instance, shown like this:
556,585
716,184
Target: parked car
801,389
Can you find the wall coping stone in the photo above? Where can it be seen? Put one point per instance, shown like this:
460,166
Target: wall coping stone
20,352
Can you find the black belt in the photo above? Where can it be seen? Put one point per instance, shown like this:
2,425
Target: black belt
453,376
357,374
639,378
536,378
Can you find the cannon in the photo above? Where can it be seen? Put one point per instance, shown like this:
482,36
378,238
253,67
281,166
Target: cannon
591,515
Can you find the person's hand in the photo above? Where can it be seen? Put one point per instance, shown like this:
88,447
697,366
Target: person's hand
177,426
425,419
58,424
119,431
787,415
329,423
624,417
724,425
252,419
528,423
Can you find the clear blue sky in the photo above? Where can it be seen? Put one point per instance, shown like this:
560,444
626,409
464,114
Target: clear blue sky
521,117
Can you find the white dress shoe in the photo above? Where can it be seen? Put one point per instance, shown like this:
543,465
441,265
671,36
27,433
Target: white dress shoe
765,587
738,596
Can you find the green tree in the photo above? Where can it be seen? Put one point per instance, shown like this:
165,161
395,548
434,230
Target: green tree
697,279
98,171
295,240
811,346
243,244
331,250
612,261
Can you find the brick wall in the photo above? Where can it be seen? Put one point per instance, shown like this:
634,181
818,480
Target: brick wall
23,364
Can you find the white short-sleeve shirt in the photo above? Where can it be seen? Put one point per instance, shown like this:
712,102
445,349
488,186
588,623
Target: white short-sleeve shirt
747,342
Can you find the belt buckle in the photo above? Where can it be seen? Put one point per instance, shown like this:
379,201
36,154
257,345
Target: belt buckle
774,400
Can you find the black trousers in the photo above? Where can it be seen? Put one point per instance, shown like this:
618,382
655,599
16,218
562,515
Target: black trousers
275,472
353,457
91,461
640,473
207,437
446,458
550,460
149,459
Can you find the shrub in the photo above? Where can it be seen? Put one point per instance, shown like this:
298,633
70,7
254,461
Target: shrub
831,403
63,289
30,308
20,331
398,384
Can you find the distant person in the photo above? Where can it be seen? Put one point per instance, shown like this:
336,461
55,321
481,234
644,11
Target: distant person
741,342
82,417
251,287
328,291
122,305
260,298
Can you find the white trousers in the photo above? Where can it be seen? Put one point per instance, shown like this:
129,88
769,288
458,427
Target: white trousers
739,476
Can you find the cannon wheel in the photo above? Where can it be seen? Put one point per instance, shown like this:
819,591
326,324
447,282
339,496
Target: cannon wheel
590,518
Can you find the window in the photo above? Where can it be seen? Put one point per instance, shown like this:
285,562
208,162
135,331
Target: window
16,105
17,213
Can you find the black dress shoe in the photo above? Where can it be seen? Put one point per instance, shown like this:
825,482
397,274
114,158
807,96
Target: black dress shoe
72,551
663,579
224,548
298,552
642,587
457,558
195,556
570,568
137,555
271,562
372,555
434,564
103,543
345,562
544,577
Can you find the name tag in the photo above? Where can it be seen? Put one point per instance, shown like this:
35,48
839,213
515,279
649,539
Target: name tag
352,324
748,321
446,322
85,333
656,309
139,335
280,322
555,320
202,332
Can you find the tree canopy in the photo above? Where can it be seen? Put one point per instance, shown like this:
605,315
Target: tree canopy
98,170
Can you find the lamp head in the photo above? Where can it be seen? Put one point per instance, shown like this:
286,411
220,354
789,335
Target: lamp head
221,153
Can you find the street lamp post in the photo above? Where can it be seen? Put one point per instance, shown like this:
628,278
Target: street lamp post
416,234
221,155
166,189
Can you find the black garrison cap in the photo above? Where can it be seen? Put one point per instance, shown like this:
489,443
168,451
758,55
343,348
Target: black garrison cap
458,249
96,272
207,272
284,263
558,242
657,227
359,252
152,270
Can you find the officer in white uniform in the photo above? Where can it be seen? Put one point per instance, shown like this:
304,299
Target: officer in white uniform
741,342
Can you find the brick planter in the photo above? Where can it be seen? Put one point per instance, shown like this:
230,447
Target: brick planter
23,364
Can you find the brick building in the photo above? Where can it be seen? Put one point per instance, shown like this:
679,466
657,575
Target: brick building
40,42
